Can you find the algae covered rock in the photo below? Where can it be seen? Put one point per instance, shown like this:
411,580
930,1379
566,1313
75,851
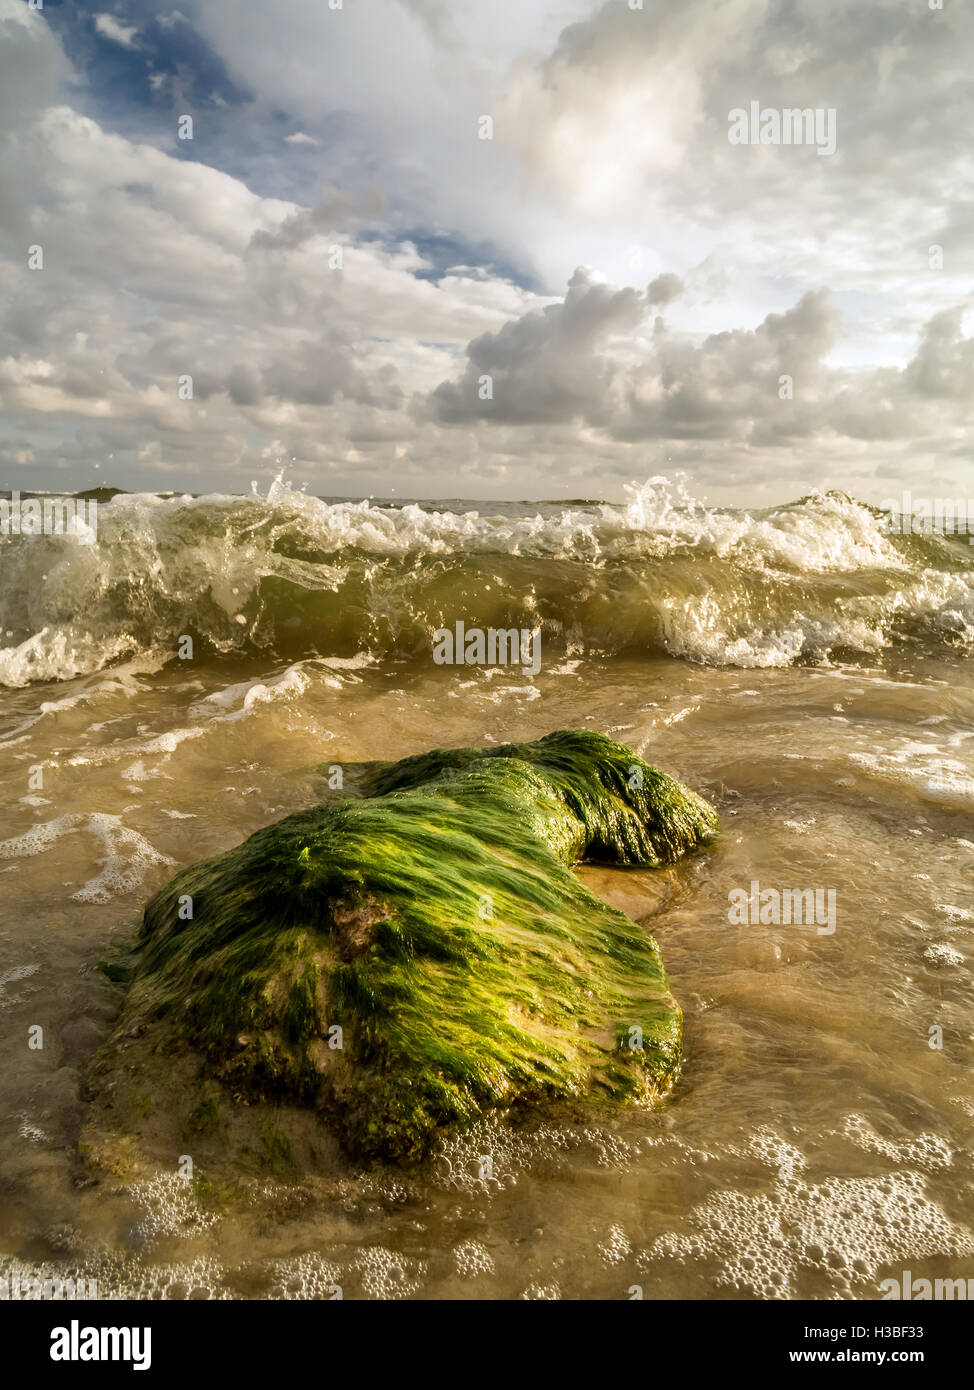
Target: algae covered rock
412,956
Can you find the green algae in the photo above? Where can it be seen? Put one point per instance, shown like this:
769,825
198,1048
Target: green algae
406,959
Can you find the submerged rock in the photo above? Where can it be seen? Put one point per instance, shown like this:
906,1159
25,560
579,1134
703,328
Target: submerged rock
412,956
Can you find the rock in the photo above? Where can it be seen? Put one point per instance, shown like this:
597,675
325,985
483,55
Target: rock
404,960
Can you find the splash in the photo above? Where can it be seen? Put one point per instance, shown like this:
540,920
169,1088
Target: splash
293,576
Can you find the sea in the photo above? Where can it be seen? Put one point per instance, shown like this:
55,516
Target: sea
192,675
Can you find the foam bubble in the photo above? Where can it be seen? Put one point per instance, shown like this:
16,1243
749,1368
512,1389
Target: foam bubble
170,1208
472,1259
616,1246
11,977
846,1228
953,913
302,1277
117,1277
385,1274
925,1151
939,953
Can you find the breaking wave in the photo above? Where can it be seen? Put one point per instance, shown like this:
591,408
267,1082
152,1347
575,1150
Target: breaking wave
292,576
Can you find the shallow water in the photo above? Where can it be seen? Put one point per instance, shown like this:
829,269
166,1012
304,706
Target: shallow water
815,1142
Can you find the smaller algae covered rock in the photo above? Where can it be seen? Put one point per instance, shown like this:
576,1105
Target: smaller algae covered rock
406,959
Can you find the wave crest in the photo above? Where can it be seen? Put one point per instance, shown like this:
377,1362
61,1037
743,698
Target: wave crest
292,575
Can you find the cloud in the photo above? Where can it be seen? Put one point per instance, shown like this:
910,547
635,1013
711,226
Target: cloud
583,363
943,367
111,28
158,266
664,289
346,329
334,213
545,366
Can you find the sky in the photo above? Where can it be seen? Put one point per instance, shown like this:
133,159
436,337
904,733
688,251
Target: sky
516,249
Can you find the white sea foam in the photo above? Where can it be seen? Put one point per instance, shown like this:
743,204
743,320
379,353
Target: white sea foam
848,1228
12,977
236,701
125,858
